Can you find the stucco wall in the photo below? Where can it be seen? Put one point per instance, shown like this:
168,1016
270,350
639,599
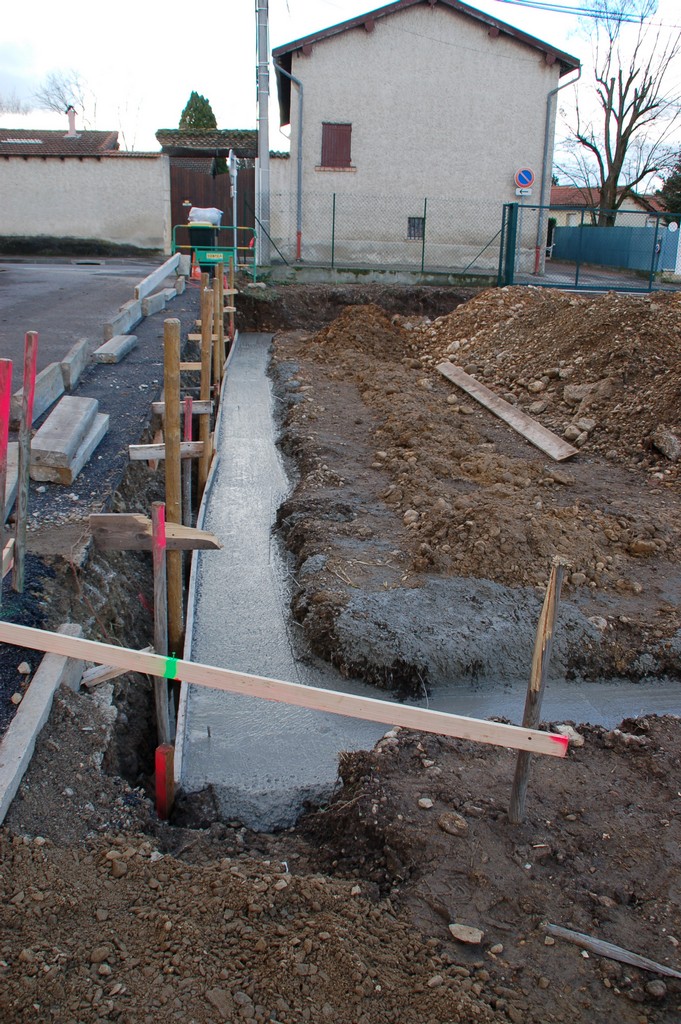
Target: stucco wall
123,199
438,109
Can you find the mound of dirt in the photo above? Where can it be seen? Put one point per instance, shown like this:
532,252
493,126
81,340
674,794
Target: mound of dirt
402,477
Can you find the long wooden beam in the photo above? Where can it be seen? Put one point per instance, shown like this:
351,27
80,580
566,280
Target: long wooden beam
368,708
131,531
534,432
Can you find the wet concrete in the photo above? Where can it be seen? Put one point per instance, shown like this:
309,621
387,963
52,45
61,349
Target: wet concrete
265,760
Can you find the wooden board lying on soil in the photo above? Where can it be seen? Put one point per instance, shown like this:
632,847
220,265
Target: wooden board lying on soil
539,436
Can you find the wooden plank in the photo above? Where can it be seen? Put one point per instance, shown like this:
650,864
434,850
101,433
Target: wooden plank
199,408
99,674
367,708
190,367
131,531
187,466
197,337
150,283
206,357
149,452
539,436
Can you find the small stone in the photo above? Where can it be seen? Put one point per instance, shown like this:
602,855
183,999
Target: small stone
536,408
549,941
282,883
24,669
426,803
642,547
356,890
118,868
571,432
575,739
599,622
101,914
222,1001
435,982
99,954
452,823
466,934
497,949
585,424
16,698
656,989
104,970
667,443
577,578
536,386
543,982
410,516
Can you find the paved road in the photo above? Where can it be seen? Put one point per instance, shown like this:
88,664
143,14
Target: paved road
63,302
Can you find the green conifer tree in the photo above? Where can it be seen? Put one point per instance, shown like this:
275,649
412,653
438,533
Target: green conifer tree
198,115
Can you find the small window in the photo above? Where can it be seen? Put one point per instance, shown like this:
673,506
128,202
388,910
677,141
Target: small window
416,227
336,139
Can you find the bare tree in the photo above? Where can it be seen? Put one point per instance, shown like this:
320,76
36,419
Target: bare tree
628,140
11,104
63,89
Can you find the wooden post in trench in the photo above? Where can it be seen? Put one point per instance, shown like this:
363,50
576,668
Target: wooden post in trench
535,691
173,479
24,464
5,402
187,466
159,554
206,350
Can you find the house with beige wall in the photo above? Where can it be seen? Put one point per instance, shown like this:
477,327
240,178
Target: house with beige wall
416,118
78,184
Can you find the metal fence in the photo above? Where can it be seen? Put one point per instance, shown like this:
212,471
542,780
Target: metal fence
512,243
589,248
411,233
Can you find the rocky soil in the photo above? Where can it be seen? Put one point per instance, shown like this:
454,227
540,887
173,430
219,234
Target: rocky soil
409,897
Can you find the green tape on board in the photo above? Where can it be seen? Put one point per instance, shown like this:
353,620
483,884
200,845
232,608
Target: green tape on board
171,668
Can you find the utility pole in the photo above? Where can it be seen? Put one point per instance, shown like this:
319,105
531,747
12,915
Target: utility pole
263,176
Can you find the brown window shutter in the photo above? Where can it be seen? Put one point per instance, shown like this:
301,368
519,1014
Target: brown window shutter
336,142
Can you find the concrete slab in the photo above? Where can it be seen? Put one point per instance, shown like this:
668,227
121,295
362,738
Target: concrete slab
154,303
60,475
115,349
169,293
152,281
75,361
49,386
184,267
180,285
128,317
18,743
62,433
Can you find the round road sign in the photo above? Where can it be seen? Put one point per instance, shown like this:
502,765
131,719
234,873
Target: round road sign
524,178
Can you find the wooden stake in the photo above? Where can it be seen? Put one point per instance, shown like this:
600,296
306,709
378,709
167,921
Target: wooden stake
368,708
217,357
158,527
187,466
5,402
204,422
535,691
173,468
30,365
165,779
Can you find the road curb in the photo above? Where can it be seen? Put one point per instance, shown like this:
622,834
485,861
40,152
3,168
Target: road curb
18,743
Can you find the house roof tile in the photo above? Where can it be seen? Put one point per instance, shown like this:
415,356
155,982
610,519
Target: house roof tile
38,143
180,142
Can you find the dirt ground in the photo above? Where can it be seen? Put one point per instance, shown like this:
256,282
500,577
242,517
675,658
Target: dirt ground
108,914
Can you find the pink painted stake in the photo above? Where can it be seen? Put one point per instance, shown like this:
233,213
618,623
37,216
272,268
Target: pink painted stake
5,401
158,548
30,366
187,465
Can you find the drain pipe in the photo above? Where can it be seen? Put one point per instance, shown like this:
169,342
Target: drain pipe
299,190
545,199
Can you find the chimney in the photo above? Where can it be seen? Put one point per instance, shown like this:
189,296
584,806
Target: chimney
71,114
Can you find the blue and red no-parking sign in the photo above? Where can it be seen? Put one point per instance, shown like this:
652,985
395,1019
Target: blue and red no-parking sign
524,178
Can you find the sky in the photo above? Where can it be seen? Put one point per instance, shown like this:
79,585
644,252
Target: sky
141,60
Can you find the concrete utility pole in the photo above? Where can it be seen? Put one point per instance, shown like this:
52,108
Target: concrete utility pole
263,176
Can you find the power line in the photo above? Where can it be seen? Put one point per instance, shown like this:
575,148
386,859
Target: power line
579,12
